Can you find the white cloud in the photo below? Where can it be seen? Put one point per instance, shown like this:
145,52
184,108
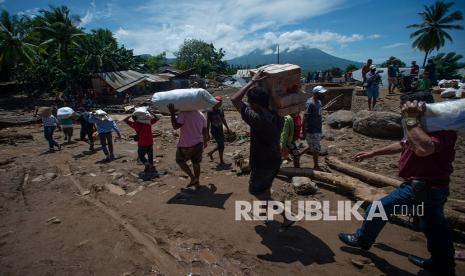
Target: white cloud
395,45
29,12
238,26
94,13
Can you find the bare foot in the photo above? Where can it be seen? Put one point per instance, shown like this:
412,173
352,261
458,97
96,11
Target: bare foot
194,183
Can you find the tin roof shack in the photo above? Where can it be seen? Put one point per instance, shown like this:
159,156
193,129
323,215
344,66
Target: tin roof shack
341,96
111,87
178,78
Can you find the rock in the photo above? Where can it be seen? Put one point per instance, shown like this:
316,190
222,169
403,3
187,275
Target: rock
115,176
38,178
86,192
92,174
340,118
115,189
357,263
53,220
111,171
50,175
304,185
378,124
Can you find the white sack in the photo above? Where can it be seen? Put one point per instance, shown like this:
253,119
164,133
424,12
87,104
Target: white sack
184,99
64,112
448,115
142,115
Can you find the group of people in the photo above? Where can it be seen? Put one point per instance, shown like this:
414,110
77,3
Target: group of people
425,158
413,82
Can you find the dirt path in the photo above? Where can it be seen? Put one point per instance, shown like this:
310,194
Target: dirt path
155,227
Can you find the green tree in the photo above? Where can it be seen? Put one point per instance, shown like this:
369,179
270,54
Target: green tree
351,67
15,50
431,33
60,30
153,63
447,65
393,60
200,56
336,72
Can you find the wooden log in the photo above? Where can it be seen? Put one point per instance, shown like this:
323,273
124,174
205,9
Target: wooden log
364,175
362,191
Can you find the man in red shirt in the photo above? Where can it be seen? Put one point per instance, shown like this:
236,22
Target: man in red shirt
144,141
425,165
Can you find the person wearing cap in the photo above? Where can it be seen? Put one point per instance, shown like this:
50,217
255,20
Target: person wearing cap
312,125
373,79
215,122
105,125
365,70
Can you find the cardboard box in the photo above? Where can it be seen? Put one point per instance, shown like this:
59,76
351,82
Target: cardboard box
284,78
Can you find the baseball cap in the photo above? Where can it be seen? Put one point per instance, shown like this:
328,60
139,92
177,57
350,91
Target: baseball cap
372,67
319,89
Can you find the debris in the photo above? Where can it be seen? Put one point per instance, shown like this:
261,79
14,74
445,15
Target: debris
117,190
357,263
86,192
111,171
92,174
50,175
83,243
38,178
304,185
53,220
115,176
207,256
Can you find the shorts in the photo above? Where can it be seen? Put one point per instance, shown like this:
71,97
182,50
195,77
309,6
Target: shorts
218,135
392,80
261,180
193,153
293,150
373,92
313,141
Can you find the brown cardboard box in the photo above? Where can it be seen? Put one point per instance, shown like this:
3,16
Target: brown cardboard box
284,78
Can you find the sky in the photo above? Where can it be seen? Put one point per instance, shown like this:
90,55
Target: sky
354,29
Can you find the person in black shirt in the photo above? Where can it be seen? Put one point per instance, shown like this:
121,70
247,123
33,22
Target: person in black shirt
215,122
87,128
265,133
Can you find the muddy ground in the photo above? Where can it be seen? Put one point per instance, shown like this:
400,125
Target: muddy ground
64,220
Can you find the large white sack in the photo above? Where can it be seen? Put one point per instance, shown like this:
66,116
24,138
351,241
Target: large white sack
65,112
142,115
448,115
184,99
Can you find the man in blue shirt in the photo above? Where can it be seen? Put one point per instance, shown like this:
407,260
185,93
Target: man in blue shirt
312,125
105,125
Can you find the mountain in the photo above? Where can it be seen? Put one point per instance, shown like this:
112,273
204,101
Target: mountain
306,58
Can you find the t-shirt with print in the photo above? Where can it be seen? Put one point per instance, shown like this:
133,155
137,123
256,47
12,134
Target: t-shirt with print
313,110
193,123
265,132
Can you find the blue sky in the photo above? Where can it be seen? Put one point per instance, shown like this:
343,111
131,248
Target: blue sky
356,29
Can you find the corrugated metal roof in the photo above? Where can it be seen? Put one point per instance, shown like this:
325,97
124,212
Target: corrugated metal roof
122,80
244,73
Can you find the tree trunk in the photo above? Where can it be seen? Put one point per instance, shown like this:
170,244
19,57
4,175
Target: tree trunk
364,175
361,191
424,60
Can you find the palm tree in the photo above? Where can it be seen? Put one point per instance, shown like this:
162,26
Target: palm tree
14,48
431,32
60,29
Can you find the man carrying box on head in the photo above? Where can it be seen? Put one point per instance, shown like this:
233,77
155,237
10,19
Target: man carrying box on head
312,125
193,139
265,130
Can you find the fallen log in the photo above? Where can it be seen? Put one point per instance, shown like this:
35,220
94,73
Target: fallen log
362,191
364,175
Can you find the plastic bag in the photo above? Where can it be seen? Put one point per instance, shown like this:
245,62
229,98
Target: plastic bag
142,115
64,113
449,115
448,93
184,99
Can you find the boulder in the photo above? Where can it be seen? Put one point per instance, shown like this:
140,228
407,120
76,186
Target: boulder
304,185
340,118
378,124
